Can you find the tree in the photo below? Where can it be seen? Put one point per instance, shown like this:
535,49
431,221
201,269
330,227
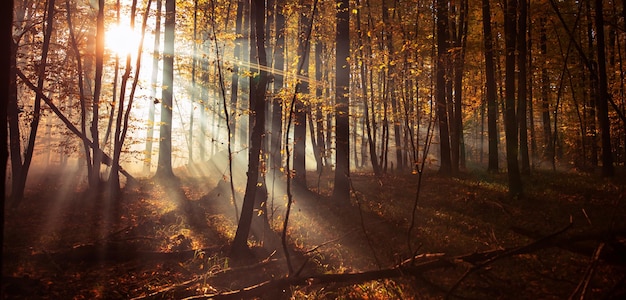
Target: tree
257,98
300,113
6,26
608,169
164,167
490,74
153,88
445,167
341,189
522,90
22,174
510,121
94,177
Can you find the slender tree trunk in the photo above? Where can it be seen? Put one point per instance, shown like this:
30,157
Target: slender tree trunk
341,191
319,118
277,101
6,80
234,86
153,84
300,114
81,86
491,90
522,87
545,92
460,42
257,95
364,95
18,192
440,88
603,94
94,178
164,167
510,121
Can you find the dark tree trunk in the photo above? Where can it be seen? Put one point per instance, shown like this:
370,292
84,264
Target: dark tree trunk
18,191
460,42
7,79
300,113
277,101
440,87
319,117
341,190
164,167
522,88
603,94
545,92
510,121
94,177
257,97
491,90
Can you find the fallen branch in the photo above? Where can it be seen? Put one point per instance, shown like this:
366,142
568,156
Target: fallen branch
433,261
536,245
584,282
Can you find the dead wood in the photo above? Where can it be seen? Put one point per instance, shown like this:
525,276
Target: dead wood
411,267
583,243
543,242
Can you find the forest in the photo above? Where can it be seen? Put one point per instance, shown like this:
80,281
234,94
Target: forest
305,149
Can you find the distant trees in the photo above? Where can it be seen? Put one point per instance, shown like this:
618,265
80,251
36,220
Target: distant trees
395,64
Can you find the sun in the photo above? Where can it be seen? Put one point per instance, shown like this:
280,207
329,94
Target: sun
122,40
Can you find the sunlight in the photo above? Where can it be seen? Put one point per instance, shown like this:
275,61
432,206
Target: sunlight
121,39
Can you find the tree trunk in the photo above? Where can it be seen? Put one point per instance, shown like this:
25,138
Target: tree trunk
257,96
18,191
545,92
6,80
319,117
510,121
164,167
153,83
445,167
234,86
94,178
460,42
300,113
364,95
277,101
491,90
522,87
603,94
341,191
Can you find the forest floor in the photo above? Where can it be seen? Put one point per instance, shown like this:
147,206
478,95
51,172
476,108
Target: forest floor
172,241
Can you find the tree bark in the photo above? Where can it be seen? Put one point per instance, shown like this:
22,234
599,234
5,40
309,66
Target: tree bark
18,191
153,84
445,167
164,167
522,87
608,169
341,191
491,90
257,97
510,121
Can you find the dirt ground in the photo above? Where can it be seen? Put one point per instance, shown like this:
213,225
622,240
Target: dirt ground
171,241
